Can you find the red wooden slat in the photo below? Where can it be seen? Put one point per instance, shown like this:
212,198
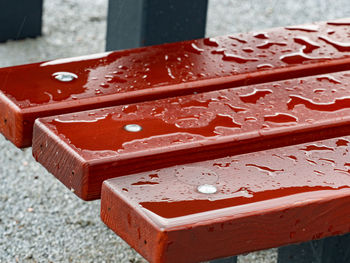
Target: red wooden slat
264,199
31,91
84,149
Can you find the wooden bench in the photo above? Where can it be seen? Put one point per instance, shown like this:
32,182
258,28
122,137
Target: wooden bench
84,149
233,205
150,73
230,145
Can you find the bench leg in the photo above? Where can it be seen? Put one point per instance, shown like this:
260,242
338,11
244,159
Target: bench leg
20,19
225,260
135,23
327,250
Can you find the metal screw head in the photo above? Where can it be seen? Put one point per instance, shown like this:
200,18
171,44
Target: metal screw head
64,76
133,128
207,189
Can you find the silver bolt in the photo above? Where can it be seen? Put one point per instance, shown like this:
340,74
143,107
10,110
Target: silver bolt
133,128
64,76
207,189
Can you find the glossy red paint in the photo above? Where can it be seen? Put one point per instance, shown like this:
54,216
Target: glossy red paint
30,91
84,149
264,199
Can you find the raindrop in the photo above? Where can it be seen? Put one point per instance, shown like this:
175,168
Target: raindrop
104,85
140,183
305,28
261,36
194,49
280,118
339,23
342,142
238,59
264,66
268,44
241,40
299,57
331,79
342,47
264,168
338,104
314,147
309,45
254,96
211,42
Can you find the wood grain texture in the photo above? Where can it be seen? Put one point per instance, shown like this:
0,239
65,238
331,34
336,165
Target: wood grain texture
175,69
265,199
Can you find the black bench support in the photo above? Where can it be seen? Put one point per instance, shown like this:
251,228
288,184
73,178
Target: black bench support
20,19
135,23
327,250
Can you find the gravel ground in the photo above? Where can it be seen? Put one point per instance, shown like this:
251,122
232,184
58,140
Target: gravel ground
40,220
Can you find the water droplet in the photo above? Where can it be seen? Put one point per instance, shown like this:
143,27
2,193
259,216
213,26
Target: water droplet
327,160
235,109
280,118
305,28
122,67
315,147
254,96
170,74
309,45
211,42
152,176
104,85
331,79
342,47
299,57
339,23
261,35
222,164
140,183
193,48
130,108
311,161
342,142
268,44
248,49
220,51
241,40
292,157
337,104
264,66
264,168
236,58
250,119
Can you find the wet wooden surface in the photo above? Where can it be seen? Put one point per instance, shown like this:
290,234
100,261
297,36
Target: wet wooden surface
263,199
31,91
84,149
